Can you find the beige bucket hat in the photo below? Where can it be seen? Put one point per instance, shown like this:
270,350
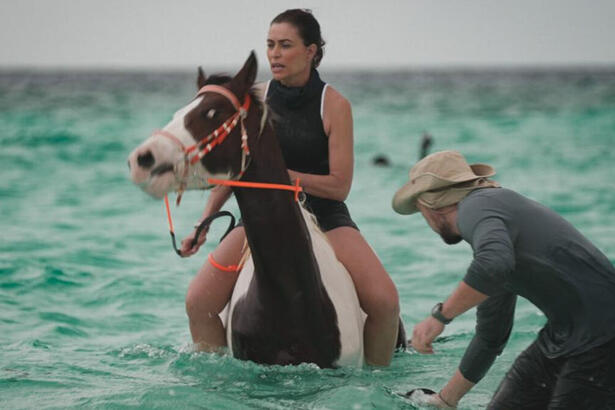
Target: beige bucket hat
437,172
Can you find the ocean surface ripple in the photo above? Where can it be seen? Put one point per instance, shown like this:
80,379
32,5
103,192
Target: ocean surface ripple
92,295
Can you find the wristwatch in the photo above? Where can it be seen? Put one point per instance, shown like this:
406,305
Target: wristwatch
436,312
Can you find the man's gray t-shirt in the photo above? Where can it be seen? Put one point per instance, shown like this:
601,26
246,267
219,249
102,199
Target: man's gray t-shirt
523,248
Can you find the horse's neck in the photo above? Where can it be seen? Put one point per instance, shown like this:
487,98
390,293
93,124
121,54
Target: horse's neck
276,231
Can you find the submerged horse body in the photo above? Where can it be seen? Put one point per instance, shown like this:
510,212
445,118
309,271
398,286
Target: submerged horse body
293,301
321,323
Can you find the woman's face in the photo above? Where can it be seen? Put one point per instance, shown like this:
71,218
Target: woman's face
290,60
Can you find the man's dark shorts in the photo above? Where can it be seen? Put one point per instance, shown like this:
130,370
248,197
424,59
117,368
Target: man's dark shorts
585,381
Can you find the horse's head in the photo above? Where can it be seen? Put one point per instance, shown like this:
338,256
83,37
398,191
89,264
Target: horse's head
203,140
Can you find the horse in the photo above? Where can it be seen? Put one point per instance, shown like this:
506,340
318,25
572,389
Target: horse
293,302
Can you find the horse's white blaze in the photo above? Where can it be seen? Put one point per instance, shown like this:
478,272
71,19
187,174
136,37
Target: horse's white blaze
339,286
176,125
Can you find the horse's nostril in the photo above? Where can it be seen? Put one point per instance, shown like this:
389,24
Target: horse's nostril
146,160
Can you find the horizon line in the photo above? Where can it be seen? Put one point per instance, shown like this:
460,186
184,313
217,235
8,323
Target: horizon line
539,66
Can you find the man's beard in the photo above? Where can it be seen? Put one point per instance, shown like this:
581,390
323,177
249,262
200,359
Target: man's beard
447,235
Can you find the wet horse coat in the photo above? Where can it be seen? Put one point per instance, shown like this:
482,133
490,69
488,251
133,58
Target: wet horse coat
293,301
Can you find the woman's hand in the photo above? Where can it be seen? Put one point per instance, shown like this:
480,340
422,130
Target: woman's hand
187,249
424,333
293,176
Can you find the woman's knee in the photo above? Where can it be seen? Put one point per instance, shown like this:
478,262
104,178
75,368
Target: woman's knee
381,301
377,292
197,301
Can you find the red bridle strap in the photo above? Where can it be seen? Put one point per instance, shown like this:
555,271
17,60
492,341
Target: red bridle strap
172,137
218,89
260,185
196,151
242,113
217,136
207,144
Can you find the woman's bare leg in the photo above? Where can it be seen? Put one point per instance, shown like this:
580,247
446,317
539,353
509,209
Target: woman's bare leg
377,293
210,291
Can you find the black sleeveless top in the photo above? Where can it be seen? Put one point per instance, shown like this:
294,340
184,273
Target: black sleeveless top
305,146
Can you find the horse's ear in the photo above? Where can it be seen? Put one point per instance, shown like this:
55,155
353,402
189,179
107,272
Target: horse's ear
244,79
201,79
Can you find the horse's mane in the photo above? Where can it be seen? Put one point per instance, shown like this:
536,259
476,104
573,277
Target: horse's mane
218,79
221,79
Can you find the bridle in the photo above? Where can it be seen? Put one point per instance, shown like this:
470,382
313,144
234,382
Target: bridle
195,152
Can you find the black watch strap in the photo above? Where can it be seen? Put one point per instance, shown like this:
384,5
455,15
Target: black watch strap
436,312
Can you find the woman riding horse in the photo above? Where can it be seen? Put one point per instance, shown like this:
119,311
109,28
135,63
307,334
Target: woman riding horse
314,128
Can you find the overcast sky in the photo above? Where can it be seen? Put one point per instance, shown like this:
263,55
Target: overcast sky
165,34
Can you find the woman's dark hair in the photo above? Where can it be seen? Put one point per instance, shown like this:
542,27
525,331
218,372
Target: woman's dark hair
308,28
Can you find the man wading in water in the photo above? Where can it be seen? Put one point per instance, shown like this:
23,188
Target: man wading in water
520,248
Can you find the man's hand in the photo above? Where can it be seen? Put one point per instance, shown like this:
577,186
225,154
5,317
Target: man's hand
436,401
424,333
426,397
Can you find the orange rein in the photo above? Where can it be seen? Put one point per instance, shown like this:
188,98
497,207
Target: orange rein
262,185
229,268
240,184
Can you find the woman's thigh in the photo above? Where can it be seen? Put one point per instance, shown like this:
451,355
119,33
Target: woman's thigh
373,284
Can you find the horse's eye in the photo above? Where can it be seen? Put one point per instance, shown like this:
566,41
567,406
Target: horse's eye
211,113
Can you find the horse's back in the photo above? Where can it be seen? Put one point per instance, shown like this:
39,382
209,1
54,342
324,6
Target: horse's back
339,286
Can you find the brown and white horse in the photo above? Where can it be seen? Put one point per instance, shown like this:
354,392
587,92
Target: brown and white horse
293,301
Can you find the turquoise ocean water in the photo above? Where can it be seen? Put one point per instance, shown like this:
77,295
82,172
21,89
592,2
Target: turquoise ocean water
92,295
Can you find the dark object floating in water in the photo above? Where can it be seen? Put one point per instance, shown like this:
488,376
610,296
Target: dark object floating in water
426,391
426,143
381,160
